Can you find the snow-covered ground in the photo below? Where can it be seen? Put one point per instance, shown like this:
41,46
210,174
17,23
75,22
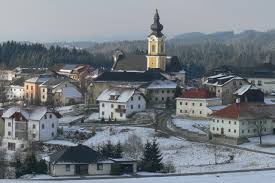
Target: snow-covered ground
65,109
184,155
60,142
66,120
268,142
93,117
191,125
240,177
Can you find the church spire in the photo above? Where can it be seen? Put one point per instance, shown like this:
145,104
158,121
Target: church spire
156,27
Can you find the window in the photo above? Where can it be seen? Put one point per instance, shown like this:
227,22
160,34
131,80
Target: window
139,106
218,121
153,48
200,112
235,122
132,98
222,121
259,83
22,146
31,87
217,129
52,134
138,98
180,103
33,126
162,98
43,96
161,49
102,113
121,114
229,130
52,125
200,104
11,146
214,120
248,131
242,131
264,129
45,117
112,105
9,124
100,166
156,99
9,133
185,111
68,168
33,135
193,111
168,91
132,106
102,104
229,122
253,82
43,90
180,111
43,126
193,104
162,91
27,86
186,103
235,131
51,116
213,128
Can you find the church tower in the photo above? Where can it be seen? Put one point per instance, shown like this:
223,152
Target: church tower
156,57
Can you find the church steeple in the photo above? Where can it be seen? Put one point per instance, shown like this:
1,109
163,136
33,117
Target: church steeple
156,27
156,46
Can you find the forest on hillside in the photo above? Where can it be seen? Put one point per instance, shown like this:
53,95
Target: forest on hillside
13,54
198,53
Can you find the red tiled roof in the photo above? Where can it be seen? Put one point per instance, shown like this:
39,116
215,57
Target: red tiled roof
198,93
245,110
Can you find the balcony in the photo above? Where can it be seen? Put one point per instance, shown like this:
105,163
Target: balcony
120,110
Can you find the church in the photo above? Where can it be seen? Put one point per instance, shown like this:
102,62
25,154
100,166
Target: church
155,58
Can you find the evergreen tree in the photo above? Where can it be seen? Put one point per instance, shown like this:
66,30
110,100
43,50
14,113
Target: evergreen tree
152,157
30,163
156,157
41,167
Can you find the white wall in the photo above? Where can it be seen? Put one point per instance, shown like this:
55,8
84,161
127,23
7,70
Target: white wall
236,128
195,107
15,92
60,170
267,85
138,103
92,170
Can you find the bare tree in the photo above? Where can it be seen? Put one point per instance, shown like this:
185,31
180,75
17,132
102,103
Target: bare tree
259,127
133,147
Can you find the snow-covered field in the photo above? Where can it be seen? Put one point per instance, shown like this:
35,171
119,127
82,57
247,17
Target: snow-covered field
241,177
93,117
184,155
268,143
191,125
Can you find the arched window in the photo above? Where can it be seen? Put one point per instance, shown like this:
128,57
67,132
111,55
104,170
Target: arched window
153,49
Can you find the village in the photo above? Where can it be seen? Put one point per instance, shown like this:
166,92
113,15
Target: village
143,116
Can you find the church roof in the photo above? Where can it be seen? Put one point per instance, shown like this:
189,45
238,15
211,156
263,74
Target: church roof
131,62
156,27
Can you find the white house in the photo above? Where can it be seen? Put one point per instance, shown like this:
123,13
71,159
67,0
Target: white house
119,102
243,120
7,75
198,103
28,124
15,92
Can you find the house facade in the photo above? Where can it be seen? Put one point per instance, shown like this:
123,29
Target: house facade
32,89
15,92
28,124
161,91
224,86
197,103
241,120
82,160
120,102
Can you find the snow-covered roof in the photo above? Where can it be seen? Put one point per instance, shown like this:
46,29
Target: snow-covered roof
244,89
28,113
216,76
39,79
120,94
162,84
221,77
71,92
217,107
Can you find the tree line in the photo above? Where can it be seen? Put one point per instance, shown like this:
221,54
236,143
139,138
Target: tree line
13,54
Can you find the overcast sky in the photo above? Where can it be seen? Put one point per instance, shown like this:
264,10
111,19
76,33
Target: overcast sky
88,20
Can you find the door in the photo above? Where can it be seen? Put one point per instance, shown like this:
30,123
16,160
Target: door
81,169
